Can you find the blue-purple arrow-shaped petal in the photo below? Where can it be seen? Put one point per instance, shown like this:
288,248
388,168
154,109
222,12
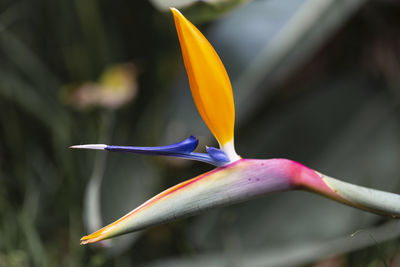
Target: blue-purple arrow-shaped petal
182,149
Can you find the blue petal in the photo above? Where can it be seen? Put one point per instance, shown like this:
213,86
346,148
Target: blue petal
186,146
217,154
182,149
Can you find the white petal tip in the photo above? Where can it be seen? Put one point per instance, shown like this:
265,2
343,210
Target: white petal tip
90,146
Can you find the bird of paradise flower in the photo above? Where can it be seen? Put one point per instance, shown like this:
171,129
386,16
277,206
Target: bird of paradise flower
234,179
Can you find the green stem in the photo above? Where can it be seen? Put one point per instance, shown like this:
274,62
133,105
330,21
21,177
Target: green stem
380,202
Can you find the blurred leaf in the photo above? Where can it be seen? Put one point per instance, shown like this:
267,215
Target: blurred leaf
28,64
166,4
299,37
46,109
293,255
199,11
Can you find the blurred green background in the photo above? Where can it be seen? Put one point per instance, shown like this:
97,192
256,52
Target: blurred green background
314,81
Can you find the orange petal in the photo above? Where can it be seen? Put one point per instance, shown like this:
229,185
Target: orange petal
209,82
